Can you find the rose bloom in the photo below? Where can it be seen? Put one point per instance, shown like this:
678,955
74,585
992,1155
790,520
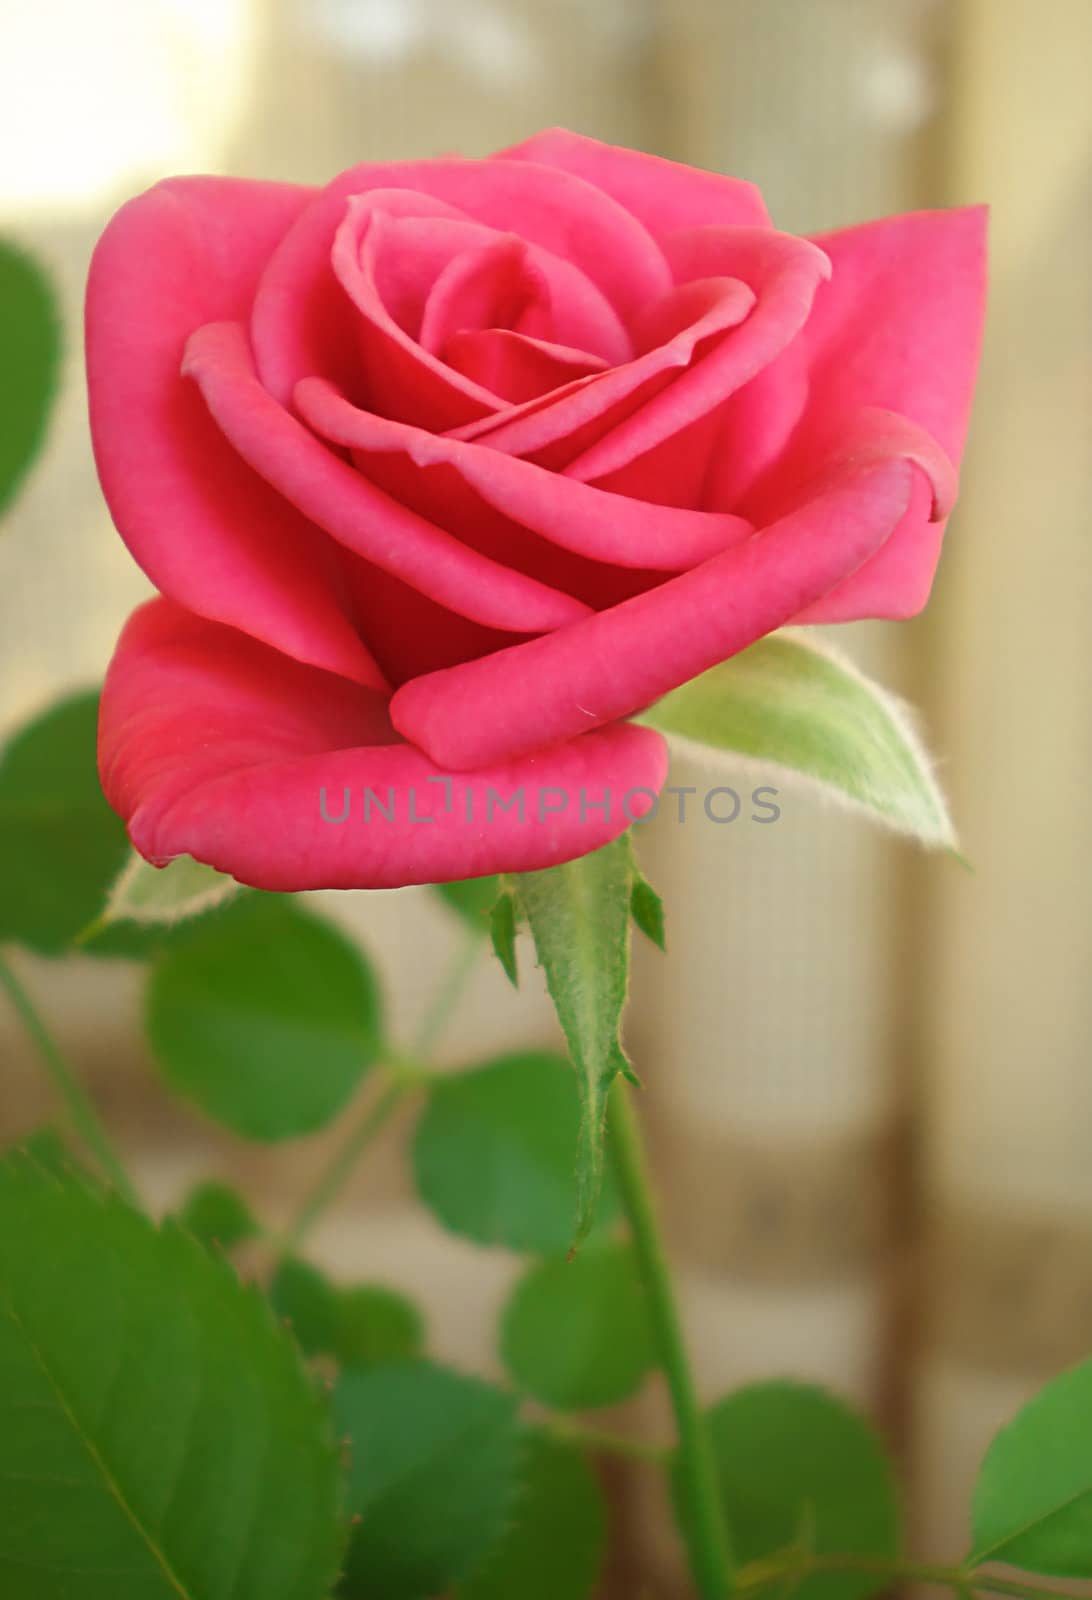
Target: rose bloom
445,470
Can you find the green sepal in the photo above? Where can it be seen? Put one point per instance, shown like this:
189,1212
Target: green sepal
503,924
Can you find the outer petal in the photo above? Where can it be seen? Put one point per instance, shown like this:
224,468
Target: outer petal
299,331
612,664
353,510
664,195
899,328
576,516
205,529
215,746
900,324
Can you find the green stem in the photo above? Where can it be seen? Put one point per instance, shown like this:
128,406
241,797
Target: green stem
601,1442
404,1074
448,994
338,1173
85,1118
707,1536
798,1567
1005,1586
919,1572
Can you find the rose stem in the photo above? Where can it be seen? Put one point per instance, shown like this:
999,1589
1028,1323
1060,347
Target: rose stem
449,993
84,1117
404,1074
337,1174
706,1534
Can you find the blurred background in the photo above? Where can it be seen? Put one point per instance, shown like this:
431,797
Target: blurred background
868,1071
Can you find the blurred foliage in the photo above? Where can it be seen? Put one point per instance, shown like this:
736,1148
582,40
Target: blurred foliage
213,1470
30,342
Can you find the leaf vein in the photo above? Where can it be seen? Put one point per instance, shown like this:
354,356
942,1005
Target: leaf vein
66,1408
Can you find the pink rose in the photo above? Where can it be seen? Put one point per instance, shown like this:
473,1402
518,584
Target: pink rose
445,470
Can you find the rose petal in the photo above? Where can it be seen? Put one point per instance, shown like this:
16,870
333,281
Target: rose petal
401,377
753,427
542,296
576,516
202,525
410,634
215,746
410,323
894,587
356,513
675,472
420,237
783,272
298,327
900,324
514,365
439,276
433,230
488,285
555,429
897,330
612,664
664,195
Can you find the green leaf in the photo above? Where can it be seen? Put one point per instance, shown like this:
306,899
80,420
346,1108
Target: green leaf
61,847
265,1016
129,940
433,1476
60,844
502,931
494,1153
217,1214
789,1456
30,340
49,1151
647,910
1033,1498
579,915
361,1326
374,1325
162,896
793,704
472,898
575,1334
555,1546
159,1439
304,1298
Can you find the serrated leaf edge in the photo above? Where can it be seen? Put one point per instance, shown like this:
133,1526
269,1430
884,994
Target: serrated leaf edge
251,1299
